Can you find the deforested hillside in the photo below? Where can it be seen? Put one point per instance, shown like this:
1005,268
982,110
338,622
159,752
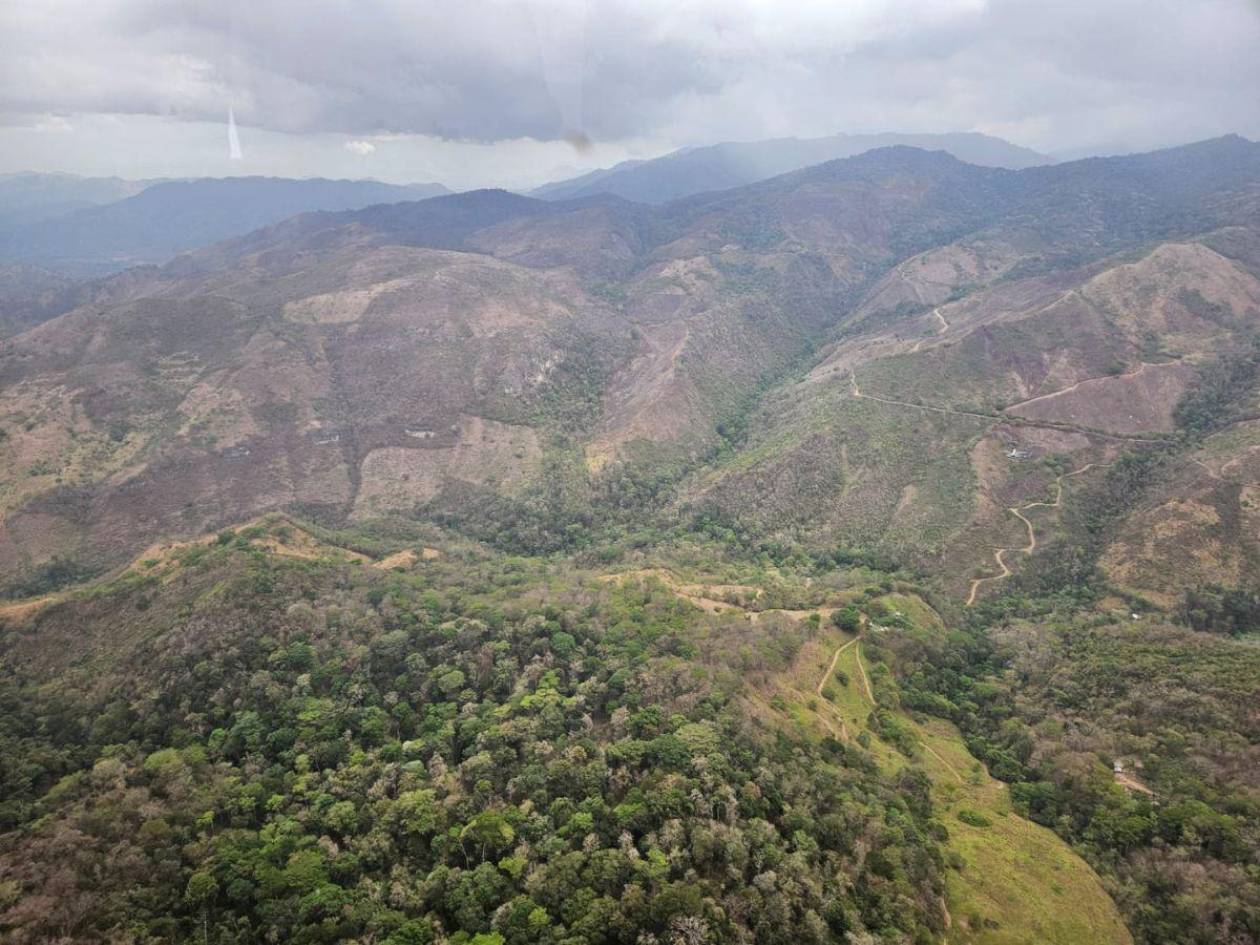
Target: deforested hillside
867,554
487,358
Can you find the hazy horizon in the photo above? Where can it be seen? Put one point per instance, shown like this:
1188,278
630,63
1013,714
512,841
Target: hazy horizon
559,173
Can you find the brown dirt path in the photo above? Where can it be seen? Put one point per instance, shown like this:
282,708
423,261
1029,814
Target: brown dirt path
997,418
1018,512
832,668
843,732
866,680
19,610
1071,387
936,312
690,593
941,758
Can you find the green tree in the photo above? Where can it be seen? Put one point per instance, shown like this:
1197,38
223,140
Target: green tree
847,618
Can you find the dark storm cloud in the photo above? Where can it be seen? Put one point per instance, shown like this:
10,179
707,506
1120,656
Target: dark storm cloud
1059,74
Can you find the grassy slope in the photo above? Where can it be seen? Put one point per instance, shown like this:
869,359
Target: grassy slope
1019,883
1016,872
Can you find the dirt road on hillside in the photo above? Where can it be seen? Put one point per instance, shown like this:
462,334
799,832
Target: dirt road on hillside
1018,512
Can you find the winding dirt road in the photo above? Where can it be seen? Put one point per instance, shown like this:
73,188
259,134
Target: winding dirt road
999,555
870,695
832,668
866,682
843,733
1018,512
936,312
1085,380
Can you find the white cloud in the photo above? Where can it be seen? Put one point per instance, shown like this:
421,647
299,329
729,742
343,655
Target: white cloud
360,147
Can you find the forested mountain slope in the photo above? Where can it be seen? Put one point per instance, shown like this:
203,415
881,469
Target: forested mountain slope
270,735
794,563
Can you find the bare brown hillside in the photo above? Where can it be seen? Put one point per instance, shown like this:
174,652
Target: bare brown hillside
881,350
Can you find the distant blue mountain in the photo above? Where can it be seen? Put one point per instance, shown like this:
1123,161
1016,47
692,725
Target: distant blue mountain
734,164
171,217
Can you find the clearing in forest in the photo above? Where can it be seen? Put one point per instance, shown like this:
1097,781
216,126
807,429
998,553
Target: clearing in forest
1019,882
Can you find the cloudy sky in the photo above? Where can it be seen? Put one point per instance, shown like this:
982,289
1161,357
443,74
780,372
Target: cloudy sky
480,92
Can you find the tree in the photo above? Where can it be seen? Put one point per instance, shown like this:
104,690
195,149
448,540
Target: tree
416,812
489,829
199,893
848,619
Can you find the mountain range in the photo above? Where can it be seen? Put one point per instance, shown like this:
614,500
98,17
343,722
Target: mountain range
91,226
487,347
84,227
855,554
734,164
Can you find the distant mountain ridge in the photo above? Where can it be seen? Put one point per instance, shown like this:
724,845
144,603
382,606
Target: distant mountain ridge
30,196
170,217
734,164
